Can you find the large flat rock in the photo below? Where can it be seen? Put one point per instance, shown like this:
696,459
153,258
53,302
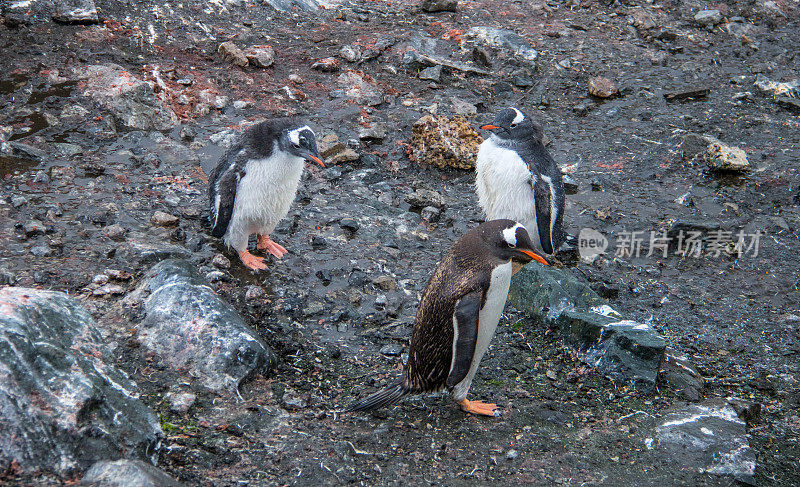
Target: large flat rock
63,404
621,349
194,331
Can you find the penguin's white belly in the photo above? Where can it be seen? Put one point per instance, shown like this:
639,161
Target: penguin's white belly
488,318
504,188
263,197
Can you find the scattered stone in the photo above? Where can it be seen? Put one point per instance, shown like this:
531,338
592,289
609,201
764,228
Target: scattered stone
293,401
445,142
381,300
570,185
118,275
190,328
326,65
253,293
41,250
221,262
425,197
64,404
747,411
109,290
432,6
480,56
360,89
349,224
347,155
708,17
414,59
180,402
512,455
708,438
130,100
350,53
375,132
681,375
384,283
329,145
602,87
163,219
260,56
33,228
123,473
231,53
115,232
504,39
685,199
621,349
392,350
433,73
786,94
688,94
717,155
292,5
17,201
583,107
641,20
430,213
75,12
463,108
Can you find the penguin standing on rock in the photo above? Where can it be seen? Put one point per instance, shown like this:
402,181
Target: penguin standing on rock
458,314
255,182
517,179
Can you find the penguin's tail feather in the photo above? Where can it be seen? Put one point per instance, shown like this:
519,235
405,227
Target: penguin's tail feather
386,396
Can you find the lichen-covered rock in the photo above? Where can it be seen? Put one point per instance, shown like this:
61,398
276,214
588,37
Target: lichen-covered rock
63,405
445,142
126,473
231,53
190,328
716,154
75,11
502,39
624,350
130,100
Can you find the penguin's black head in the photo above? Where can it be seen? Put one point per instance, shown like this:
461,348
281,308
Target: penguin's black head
508,239
511,124
301,142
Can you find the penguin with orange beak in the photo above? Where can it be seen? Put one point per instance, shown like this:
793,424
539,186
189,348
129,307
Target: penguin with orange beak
255,182
458,314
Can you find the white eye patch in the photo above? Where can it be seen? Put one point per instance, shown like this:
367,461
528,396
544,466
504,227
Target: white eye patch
510,234
294,135
519,118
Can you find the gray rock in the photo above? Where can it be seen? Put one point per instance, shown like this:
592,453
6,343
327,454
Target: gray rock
708,17
375,132
145,251
290,5
708,438
326,65
33,228
430,213
677,371
231,53
786,94
163,219
130,100
261,56
41,250
293,401
355,87
180,402
392,349
253,293
433,73
190,328
17,201
425,197
63,405
623,350
503,39
75,11
350,53
432,6
115,232
126,473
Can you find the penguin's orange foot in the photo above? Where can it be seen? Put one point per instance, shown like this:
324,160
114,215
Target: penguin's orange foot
482,408
263,242
251,261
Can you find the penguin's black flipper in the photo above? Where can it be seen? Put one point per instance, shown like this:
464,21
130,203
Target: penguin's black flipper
466,316
542,195
224,181
388,395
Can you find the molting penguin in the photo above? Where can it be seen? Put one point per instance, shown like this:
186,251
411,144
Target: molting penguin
458,314
255,182
517,179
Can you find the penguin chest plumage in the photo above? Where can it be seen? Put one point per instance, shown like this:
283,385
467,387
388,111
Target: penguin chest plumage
264,195
503,184
488,318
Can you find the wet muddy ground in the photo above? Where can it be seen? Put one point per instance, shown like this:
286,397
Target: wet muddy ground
339,307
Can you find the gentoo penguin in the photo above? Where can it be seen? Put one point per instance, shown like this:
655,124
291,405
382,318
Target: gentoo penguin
458,314
254,183
517,179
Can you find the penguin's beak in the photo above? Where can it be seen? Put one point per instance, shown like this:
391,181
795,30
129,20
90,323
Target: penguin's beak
489,127
533,255
312,156
316,159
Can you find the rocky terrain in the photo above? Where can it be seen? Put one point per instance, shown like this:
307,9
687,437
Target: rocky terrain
135,348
